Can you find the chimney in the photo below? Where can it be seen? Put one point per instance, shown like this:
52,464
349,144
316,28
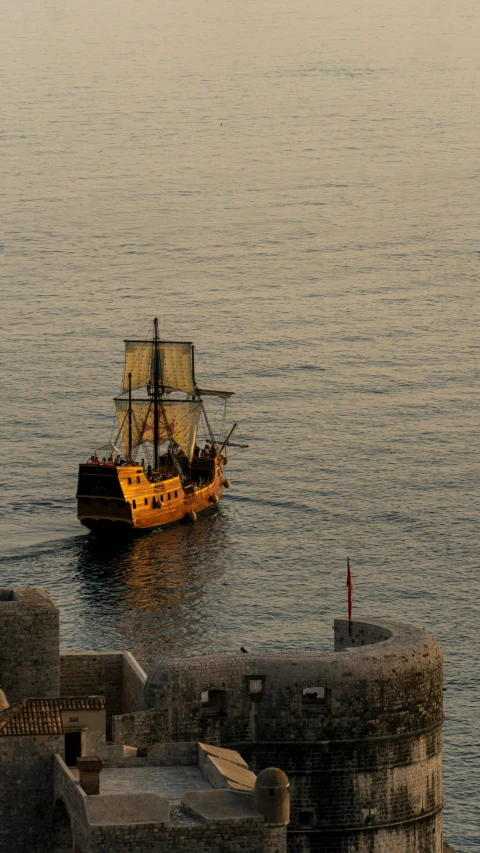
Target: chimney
89,768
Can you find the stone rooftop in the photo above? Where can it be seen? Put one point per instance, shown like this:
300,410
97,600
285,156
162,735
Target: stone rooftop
210,789
171,783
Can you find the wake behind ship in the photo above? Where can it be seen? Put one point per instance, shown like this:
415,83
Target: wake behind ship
159,412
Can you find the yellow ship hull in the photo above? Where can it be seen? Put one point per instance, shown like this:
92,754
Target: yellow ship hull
124,498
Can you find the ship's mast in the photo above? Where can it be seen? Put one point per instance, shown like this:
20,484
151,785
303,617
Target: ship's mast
130,417
155,395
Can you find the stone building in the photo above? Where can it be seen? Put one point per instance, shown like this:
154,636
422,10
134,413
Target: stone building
31,732
357,730
177,798
66,786
173,757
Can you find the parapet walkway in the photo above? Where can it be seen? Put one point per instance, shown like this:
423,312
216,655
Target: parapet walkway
169,782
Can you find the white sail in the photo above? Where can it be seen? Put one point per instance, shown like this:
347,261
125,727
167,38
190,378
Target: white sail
138,362
177,420
175,367
176,363
140,414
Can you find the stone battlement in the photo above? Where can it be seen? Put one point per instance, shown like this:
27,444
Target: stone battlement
210,805
390,687
357,730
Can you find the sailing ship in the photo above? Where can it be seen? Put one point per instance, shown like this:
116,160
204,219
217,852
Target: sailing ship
159,412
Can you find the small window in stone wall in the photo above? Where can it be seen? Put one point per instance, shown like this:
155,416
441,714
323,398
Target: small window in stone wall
255,685
213,701
306,818
315,697
7,595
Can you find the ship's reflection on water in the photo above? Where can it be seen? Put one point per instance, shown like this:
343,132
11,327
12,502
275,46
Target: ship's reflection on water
157,593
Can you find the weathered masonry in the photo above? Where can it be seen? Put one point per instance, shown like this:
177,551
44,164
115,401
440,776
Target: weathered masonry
357,731
29,644
197,798
64,787
346,745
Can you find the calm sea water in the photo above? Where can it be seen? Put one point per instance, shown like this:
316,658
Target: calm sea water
295,187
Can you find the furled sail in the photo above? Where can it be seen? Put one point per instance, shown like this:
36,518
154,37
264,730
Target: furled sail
177,420
175,365
225,395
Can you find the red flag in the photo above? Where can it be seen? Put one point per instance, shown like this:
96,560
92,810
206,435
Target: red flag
349,587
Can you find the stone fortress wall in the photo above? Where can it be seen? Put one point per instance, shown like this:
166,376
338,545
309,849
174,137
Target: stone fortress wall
214,820
29,632
115,675
26,792
47,808
357,730
363,755
31,666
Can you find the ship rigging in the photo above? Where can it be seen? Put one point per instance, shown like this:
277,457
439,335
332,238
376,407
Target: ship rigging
158,411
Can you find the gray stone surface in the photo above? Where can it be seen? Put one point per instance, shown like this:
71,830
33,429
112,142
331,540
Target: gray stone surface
221,806
125,809
29,644
183,834
363,756
115,675
364,760
168,782
133,684
173,753
26,791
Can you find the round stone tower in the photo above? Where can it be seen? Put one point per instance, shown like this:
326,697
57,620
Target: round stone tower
358,731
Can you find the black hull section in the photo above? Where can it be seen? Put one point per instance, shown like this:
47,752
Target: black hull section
104,528
107,529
